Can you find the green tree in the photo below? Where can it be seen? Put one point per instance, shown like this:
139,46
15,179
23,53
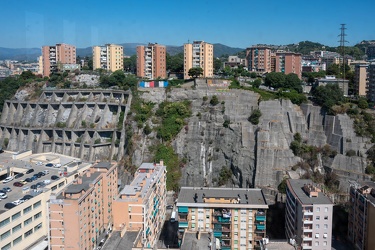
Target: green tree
175,63
275,79
195,73
254,117
224,175
130,64
256,83
362,103
218,64
327,96
214,100
293,82
25,75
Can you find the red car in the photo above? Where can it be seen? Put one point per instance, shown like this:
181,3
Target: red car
17,184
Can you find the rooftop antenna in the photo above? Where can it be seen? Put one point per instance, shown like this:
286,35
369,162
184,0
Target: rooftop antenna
342,47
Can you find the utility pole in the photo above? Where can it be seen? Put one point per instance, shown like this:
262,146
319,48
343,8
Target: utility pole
342,49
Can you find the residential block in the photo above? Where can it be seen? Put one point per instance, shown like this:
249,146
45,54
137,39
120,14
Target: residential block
199,54
151,61
108,57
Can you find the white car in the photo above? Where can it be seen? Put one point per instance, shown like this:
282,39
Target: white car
8,179
17,202
47,182
45,172
3,196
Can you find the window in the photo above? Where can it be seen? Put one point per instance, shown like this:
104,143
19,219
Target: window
325,243
325,226
6,247
318,209
317,217
316,236
325,235
326,209
317,226
192,225
37,204
36,216
4,222
16,228
325,217
17,240
26,210
5,235
29,220
316,243
37,227
28,233
16,215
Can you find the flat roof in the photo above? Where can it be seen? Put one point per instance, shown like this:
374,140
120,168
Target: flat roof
247,197
369,184
75,188
297,189
103,164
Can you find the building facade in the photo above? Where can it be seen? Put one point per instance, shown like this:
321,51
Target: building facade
360,77
83,210
108,57
199,54
288,62
141,205
370,85
361,220
235,216
343,83
308,216
151,61
258,58
57,54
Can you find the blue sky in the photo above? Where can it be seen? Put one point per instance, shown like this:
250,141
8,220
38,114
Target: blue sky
236,23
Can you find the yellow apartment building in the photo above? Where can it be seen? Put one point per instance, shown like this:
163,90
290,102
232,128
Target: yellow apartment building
151,61
141,205
109,57
83,210
199,54
236,217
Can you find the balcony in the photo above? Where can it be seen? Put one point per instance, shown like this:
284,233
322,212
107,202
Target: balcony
308,212
226,235
260,217
260,227
308,229
307,221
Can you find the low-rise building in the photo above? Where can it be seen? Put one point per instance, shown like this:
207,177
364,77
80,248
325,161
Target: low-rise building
361,227
308,215
235,216
343,83
83,210
141,205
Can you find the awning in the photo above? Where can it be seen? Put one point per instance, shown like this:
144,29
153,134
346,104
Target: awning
183,209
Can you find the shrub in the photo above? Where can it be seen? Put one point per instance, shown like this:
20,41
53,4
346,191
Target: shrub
226,123
205,98
147,129
225,175
350,153
254,117
214,100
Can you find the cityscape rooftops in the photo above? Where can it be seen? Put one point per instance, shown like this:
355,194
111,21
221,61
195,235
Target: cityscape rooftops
236,197
307,192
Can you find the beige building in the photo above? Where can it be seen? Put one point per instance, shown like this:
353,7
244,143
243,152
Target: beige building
360,77
258,58
109,57
151,61
141,205
361,219
199,54
57,54
308,216
235,216
83,210
24,213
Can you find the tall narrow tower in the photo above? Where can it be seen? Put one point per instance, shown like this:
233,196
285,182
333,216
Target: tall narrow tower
342,47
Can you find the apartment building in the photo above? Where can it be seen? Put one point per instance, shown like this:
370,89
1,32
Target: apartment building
108,57
141,205
308,216
151,61
360,77
199,54
258,58
24,213
361,220
288,62
83,210
57,54
236,216
370,84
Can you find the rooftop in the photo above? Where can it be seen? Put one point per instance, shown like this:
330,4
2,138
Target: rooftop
369,188
75,188
192,196
297,187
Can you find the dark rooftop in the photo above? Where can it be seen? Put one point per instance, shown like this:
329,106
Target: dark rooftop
75,188
106,165
117,242
297,187
243,196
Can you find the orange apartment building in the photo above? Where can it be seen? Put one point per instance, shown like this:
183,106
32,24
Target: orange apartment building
83,210
199,54
151,61
288,62
258,58
53,55
141,205
361,219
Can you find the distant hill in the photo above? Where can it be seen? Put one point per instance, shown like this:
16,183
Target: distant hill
21,54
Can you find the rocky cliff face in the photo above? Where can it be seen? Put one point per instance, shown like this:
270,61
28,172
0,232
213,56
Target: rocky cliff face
258,155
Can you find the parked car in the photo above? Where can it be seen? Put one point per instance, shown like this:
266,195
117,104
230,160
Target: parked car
17,184
7,189
50,165
28,180
54,177
47,182
45,172
3,196
26,197
35,186
8,179
17,202
41,174
33,178
58,165
41,184
24,182
19,175
30,171
9,205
